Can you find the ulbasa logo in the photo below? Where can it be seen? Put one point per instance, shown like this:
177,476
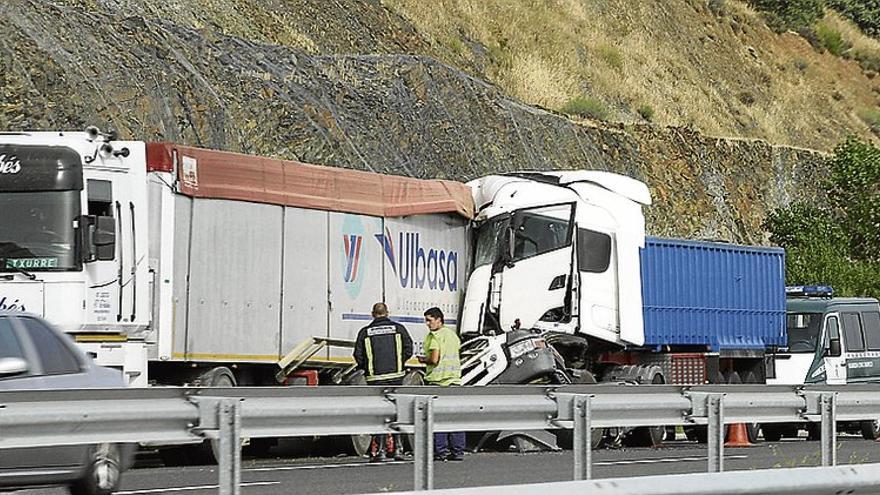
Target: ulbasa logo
352,245
9,164
416,266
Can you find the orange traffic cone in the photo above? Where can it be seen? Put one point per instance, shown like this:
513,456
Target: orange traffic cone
738,436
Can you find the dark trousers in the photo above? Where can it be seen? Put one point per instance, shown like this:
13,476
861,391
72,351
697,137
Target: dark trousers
449,443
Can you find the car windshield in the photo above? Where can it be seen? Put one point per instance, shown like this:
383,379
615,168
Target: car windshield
803,332
489,241
36,230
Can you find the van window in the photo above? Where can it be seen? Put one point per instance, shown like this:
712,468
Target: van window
852,332
871,322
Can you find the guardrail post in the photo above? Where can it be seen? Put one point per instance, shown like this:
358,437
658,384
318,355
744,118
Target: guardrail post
828,408
583,453
715,403
423,458
229,421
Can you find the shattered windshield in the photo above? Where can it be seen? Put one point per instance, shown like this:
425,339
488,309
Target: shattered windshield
490,241
803,332
36,230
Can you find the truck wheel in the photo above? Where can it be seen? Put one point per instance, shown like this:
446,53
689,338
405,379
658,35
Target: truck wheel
870,429
103,473
565,437
358,445
413,378
207,452
650,436
752,429
700,433
772,432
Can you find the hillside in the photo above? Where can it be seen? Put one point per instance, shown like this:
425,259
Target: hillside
381,86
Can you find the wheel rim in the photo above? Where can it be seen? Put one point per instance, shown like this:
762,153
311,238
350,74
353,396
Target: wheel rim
106,466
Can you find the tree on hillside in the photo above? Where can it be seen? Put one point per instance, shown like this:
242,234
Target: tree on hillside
837,243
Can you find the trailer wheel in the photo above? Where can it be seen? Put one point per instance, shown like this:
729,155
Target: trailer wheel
565,437
700,433
207,452
870,429
650,436
413,378
358,445
752,429
772,432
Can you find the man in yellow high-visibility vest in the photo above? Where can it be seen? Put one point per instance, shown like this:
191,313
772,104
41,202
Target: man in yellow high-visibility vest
443,369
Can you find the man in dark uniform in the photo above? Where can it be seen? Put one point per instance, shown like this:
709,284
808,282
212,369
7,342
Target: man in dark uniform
381,349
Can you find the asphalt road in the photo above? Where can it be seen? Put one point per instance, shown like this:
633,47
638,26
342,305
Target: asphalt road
285,473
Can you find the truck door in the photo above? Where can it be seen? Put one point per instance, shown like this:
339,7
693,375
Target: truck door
536,277
597,288
834,360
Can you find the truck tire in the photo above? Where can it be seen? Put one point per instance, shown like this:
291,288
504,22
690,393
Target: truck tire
413,378
870,429
357,445
752,429
207,452
700,433
102,476
565,437
650,436
772,432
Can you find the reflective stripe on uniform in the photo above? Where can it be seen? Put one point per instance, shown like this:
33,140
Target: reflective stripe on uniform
398,342
369,345
386,376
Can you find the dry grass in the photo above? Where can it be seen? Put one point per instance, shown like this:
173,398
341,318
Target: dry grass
688,64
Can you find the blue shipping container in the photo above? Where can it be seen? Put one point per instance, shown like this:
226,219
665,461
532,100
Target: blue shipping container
723,296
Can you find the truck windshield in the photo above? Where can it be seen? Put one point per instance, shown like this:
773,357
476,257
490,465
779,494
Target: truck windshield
489,241
36,230
803,332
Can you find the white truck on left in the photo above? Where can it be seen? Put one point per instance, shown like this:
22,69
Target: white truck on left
186,265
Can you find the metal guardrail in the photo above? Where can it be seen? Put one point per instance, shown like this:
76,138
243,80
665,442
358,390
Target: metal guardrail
849,480
169,415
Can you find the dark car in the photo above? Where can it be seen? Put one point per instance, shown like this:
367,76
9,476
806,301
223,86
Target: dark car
34,355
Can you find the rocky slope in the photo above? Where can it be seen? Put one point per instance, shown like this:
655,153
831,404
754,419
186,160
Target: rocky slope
64,66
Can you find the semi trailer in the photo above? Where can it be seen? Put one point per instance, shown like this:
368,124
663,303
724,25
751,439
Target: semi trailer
183,265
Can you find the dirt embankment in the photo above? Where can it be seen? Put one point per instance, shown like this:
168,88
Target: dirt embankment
65,67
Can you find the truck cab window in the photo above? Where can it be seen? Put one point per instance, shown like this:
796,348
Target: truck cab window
871,322
541,230
100,194
852,331
594,251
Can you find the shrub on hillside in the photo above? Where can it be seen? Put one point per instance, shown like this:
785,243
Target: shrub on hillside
790,14
837,242
831,40
586,106
871,116
646,112
869,61
865,13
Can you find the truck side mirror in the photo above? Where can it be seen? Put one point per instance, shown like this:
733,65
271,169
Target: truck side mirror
105,238
85,236
97,238
834,348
